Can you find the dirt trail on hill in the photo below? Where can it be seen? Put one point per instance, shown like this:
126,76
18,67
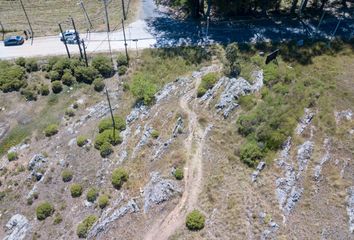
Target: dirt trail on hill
193,173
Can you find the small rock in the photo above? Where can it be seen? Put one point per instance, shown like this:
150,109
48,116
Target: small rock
17,227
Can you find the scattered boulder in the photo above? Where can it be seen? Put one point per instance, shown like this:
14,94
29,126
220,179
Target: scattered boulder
305,121
159,190
178,127
343,115
260,167
139,110
17,227
36,166
103,224
350,208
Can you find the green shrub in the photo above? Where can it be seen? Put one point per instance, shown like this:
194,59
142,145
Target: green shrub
84,227
81,141
247,102
122,60
107,124
86,74
195,220
76,190
54,76
122,70
57,87
232,58
92,194
103,201
251,154
67,78
119,176
208,82
103,65
106,149
21,61
31,65
107,137
179,174
143,89
61,65
44,90
98,84
69,112
201,91
51,130
155,134
67,175
52,61
57,219
11,77
29,93
44,210
12,156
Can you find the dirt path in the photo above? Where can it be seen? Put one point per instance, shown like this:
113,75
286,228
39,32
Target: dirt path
193,174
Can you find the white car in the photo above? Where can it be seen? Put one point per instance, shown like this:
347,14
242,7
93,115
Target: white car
69,35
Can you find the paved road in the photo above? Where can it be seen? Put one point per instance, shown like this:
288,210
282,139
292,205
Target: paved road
156,29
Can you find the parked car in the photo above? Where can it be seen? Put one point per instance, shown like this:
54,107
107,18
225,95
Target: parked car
14,41
69,35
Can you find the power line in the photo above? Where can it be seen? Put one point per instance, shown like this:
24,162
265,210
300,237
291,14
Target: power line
85,12
64,38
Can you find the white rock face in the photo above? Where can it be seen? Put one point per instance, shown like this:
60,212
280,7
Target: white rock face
343,115
326,157
17,227
350,208
304,121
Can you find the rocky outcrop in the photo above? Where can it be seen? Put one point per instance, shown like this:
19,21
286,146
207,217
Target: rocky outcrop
159,190
36,166
326,157
350,208
103,224
4,127
343,115
289,187
304,121
138,111
17,227
272,226
260,167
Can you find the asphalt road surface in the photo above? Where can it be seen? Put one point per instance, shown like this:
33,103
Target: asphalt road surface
157,29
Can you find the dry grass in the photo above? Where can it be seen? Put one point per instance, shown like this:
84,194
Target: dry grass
44,15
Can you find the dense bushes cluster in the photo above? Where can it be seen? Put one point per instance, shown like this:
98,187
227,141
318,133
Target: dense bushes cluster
12,77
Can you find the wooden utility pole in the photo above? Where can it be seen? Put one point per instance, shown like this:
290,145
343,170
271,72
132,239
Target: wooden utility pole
66,46
77,38
3,31
124,14
125,43
110,109
85,12
84,47
29,23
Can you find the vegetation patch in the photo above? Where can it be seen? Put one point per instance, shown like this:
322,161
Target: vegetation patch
12,156
103,201
51,130
76,190
195,220
44,210
208,82
92,194
67,175
81,141
84,227
119,176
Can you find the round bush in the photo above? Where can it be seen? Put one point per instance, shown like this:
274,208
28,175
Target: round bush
155,134
179,174
122,60
251,154
195,220
54,76
86,74
92,194
76,190
201,91
106,149
108,124
67,175
84,227
44,90
51,130
67,78
103,65
107,137
57,87
81,141
31,65
21,61
122,70
103,201
44,210
98,84
12,156
119,176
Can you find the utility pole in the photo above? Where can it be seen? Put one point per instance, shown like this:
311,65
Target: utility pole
110,109
29,23
62,34
86,15
125,43
3,31
124,14
207,29
77,38
106,14
84,47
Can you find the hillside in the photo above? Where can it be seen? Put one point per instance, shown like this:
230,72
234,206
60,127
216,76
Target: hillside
261,151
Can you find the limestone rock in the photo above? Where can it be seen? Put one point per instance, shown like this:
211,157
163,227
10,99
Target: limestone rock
36,166
17,227
304,121
260,167
159,190
350,208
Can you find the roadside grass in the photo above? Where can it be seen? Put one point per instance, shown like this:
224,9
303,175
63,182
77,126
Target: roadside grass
45,15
